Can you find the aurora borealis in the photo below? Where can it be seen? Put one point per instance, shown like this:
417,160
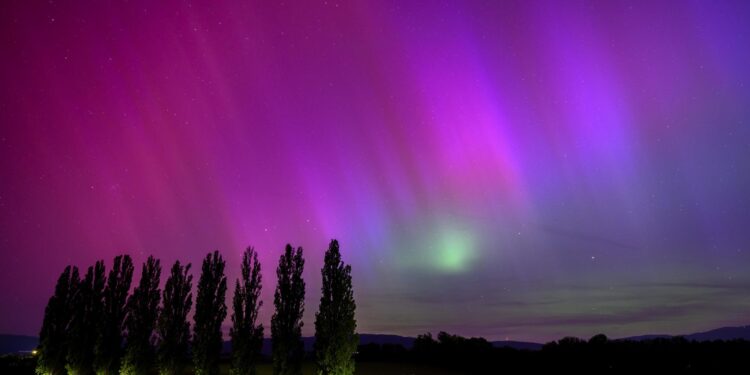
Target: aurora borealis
523,170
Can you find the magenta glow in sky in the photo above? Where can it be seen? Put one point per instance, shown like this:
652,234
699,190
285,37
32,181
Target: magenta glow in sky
521,170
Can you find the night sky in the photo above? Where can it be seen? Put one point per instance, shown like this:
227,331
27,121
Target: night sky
509,170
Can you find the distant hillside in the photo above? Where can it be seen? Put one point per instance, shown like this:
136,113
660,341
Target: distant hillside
725,333
17,343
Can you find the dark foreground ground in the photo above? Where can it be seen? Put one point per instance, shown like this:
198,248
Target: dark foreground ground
453,355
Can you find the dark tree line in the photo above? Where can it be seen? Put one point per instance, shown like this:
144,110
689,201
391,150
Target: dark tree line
598,355
95,325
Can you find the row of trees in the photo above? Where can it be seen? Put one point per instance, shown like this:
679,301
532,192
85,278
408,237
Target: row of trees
93,325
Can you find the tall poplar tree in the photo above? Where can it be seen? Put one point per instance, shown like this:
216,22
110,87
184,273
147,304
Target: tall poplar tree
142,313
173,327
86,321
286,323
210,311
246,331
109,343
335,337
56,325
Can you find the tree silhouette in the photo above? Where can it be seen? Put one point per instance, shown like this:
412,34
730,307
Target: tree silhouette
143,311
246,332
173,327
55,327
210,311
85,324
335,337
109,343
286,323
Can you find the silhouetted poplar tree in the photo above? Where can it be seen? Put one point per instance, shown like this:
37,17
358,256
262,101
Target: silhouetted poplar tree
53,336
246,332
143,311
210,311
335,337
86,321
109,343
286,323
173,327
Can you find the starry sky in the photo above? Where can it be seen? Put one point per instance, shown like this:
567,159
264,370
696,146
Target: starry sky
514,170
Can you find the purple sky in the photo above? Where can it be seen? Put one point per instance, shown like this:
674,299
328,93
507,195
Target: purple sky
512,170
